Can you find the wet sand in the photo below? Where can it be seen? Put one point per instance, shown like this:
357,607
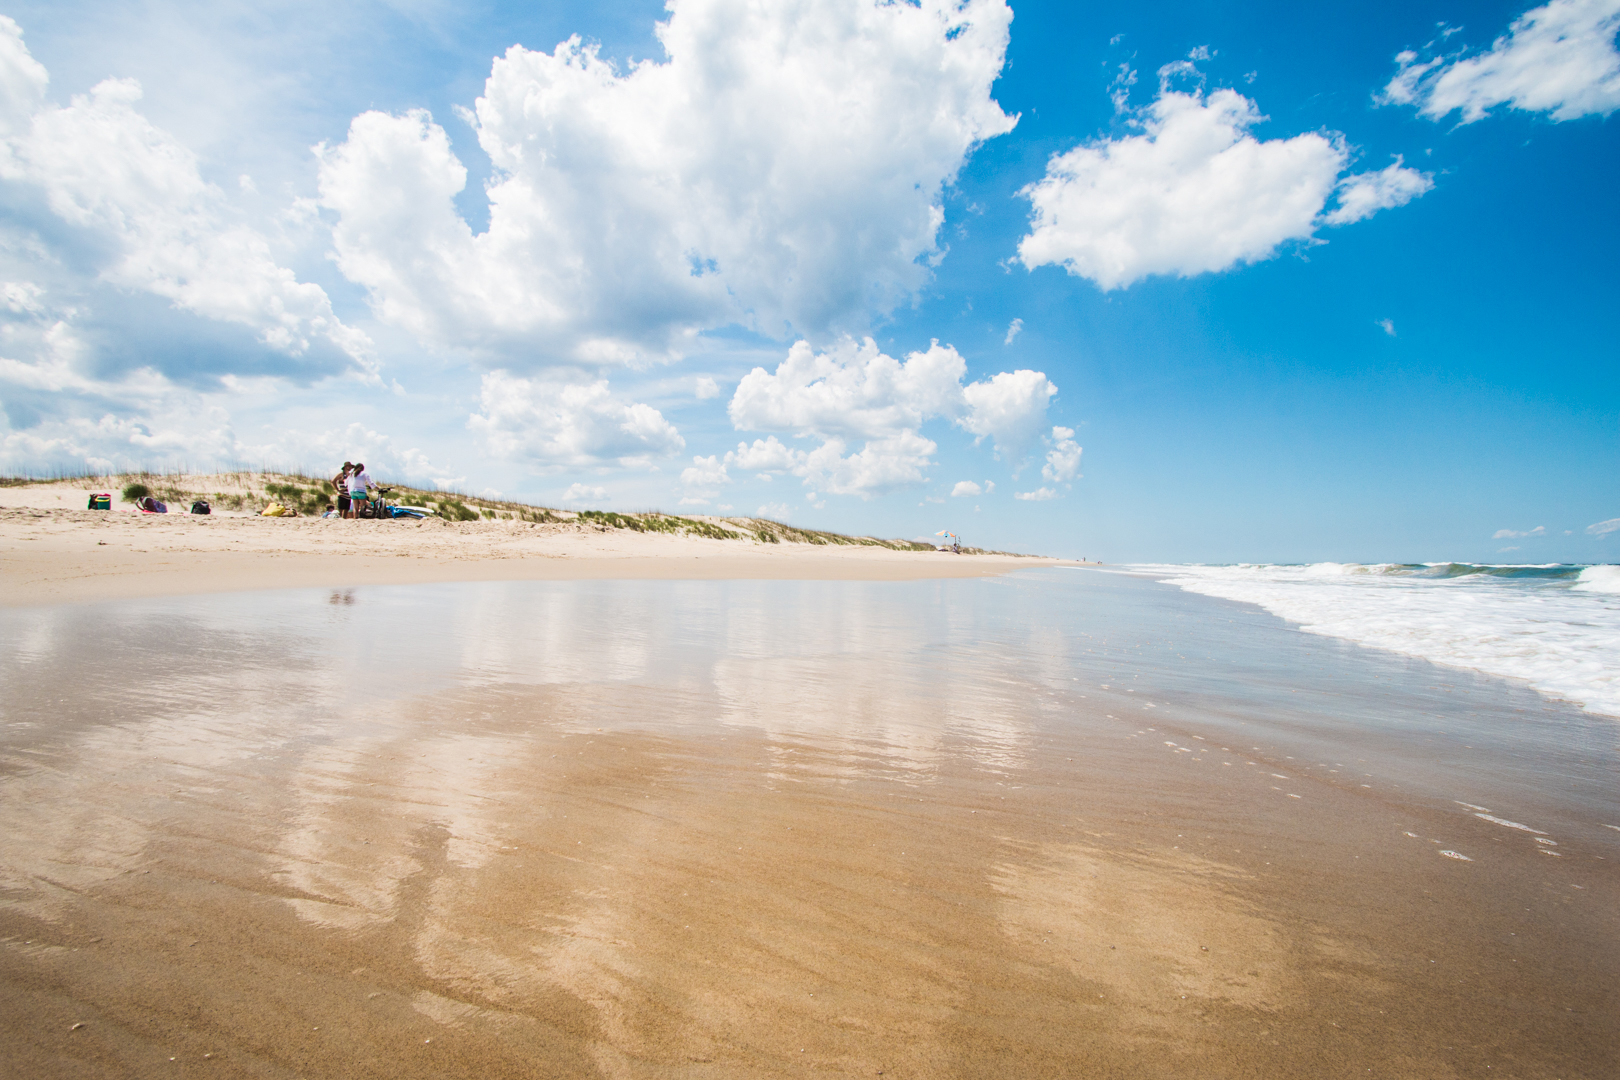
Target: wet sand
1015,846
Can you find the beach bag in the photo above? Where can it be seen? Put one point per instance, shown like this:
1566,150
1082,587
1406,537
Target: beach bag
102,501
274,510
201,507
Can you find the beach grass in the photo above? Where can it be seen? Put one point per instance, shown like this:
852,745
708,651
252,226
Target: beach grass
254,490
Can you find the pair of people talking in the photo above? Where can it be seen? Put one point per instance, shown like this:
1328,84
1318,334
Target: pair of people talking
354,486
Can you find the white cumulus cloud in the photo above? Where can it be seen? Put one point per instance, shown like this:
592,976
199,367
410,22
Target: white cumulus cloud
782,167
558,424
965,488
881,466
1559,58
138,203
1038,495
1194,193
584,493
1009,407
767,455
1363,195
1063,459
854,390
705,472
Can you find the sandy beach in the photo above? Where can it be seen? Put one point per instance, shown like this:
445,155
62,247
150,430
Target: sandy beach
1051,824
52,550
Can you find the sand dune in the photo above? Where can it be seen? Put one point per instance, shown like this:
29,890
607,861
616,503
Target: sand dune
53,550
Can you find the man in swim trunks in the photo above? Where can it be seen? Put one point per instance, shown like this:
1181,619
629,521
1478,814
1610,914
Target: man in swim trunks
341,483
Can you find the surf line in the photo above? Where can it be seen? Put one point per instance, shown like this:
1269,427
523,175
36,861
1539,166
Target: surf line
1485,813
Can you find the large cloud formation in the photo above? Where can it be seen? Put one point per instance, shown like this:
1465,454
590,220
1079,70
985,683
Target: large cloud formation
1195,193
154,224
1559,58
781,168
136,297
854,391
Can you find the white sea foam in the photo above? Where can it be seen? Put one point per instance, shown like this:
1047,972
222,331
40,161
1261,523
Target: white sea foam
1555,627
1604,579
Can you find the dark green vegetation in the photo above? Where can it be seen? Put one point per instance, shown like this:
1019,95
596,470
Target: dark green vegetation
136,491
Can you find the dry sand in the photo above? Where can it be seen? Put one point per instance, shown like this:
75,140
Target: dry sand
52,550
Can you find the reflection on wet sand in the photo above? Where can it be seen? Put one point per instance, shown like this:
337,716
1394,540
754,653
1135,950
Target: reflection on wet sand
742,850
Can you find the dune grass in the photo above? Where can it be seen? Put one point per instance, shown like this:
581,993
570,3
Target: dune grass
253,490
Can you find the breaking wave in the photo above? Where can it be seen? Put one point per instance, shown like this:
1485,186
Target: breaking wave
1555,626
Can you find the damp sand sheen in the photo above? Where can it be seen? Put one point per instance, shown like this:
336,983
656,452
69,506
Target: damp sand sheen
1049,823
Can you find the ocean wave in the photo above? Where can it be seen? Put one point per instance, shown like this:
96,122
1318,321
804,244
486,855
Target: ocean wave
1602,579
1555,626
1536,571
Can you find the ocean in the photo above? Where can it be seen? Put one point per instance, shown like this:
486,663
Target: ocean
1555,627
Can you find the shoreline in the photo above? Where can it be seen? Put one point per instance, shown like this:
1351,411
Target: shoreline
57,556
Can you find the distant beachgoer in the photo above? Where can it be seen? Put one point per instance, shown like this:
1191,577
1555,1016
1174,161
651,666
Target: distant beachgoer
341,482
360,485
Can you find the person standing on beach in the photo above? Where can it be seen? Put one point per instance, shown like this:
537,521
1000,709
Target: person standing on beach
359,486
341,483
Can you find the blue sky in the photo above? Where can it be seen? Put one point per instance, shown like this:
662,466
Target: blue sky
1180,282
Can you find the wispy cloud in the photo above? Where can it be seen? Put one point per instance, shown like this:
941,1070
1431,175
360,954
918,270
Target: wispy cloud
1511,534
1604,528
1559,58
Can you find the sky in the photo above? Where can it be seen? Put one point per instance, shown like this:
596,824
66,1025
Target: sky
1176,282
